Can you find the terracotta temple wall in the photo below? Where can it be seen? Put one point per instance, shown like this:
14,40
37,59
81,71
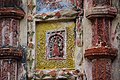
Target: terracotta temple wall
96,41
11,51
89,34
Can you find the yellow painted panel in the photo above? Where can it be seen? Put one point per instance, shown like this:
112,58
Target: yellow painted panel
41,30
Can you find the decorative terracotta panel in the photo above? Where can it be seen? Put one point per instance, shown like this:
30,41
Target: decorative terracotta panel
56,47
43,61
8,69
101,69
9,32
101,31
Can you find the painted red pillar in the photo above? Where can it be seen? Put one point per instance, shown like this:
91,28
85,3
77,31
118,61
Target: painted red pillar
101,14
10,53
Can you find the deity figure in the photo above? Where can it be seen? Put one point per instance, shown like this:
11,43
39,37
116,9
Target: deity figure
56,49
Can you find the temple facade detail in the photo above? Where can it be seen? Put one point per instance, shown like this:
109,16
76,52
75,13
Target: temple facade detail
10,51
102,53
59,39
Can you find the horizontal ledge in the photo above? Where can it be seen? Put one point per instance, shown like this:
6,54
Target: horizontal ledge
101,52
11,53
101,11
11,13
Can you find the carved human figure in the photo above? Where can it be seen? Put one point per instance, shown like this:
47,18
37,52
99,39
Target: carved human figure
56,49
60,44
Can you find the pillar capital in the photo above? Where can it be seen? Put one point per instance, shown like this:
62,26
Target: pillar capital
10,53
11,9
101,52
101,11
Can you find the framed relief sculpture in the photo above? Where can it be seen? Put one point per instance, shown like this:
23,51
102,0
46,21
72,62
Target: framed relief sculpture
56,44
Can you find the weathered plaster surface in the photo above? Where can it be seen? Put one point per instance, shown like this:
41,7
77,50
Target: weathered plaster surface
87,40
115,35
23,26
115,40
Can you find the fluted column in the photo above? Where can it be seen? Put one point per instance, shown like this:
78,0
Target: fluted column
10,53
101,14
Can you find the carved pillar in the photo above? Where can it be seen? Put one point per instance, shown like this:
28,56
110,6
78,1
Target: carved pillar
101,14
10,52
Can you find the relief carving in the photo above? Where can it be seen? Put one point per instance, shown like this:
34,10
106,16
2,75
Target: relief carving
101,2
101,53
100,68
8,69
9,32
56,44
101,32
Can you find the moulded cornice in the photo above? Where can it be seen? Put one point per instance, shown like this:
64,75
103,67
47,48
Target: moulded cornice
10,12
101,11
